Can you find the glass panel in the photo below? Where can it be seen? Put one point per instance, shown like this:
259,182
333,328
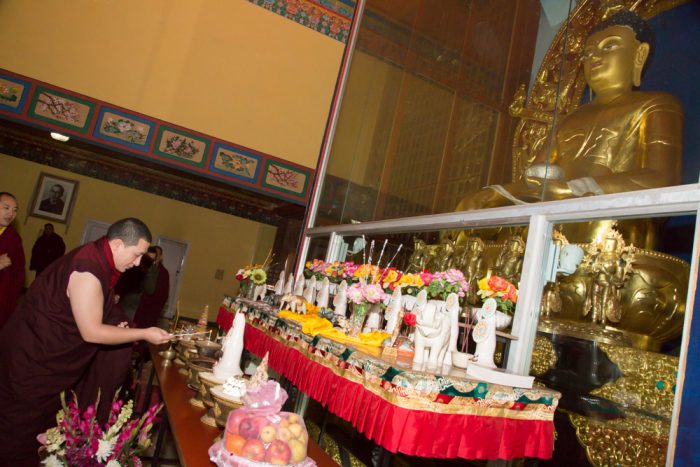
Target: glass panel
610,326
609,338
426,121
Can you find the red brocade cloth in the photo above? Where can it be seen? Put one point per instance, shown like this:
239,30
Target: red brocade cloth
398,429
224,318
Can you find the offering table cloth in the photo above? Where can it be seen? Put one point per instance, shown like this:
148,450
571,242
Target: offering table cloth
413,412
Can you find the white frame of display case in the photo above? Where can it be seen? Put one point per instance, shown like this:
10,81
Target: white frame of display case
540,218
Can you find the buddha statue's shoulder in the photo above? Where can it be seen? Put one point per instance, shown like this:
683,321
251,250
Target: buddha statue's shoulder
653,100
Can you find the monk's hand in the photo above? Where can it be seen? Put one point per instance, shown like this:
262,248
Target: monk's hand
156,335
123,324
5,261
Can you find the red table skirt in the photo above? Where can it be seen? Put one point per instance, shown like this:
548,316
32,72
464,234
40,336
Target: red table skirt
413,432
224,318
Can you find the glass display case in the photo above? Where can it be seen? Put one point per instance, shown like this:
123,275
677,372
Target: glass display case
475,136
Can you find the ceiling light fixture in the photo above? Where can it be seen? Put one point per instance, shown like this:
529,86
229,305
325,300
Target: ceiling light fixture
59,137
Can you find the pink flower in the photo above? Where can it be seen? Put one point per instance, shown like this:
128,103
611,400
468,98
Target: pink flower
354,293
426,276
373,293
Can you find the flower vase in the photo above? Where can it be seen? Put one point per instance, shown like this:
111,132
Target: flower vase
250,293
357,318
243,289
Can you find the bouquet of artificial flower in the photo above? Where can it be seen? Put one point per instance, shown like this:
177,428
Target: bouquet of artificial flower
258,276
79,439
496,287
361,292
446,282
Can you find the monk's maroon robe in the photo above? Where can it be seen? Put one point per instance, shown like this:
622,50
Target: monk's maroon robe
42,353
12,277
152,301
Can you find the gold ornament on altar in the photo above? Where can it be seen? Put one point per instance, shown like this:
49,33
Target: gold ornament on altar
609,262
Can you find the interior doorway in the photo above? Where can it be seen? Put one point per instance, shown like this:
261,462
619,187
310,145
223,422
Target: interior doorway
174,255
93,230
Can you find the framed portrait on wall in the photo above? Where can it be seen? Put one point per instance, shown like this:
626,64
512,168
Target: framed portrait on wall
54,198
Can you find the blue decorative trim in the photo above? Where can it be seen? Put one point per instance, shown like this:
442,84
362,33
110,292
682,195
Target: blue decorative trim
9,95
238,160
125,128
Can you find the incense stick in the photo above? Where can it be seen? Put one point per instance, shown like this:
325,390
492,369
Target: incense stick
176,336
394,257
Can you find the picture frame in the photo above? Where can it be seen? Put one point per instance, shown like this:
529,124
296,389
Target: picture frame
54,198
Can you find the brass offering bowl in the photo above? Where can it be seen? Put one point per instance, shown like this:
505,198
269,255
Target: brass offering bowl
196,365
223,405
207,381
208,349
186,349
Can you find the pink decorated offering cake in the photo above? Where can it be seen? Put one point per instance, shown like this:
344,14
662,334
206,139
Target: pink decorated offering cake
259,433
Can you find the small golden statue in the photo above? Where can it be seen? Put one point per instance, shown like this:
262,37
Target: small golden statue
609,261
510,261
420,256
471,263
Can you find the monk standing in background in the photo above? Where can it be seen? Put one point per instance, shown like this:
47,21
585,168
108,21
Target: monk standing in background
47,249
11,258
156,287
65,336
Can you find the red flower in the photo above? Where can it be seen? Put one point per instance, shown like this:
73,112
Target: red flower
409,319
498,284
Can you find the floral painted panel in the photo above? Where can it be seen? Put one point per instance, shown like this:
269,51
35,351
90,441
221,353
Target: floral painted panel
13,93
329,17
285,178
124,129
181,146
231,161
61,109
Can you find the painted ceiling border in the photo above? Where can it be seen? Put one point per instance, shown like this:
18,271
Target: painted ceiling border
43,105
329,17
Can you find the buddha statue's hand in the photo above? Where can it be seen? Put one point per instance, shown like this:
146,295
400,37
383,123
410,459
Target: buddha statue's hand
550,190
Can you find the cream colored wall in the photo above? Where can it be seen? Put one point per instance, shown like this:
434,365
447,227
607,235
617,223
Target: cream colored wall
217,240
227,68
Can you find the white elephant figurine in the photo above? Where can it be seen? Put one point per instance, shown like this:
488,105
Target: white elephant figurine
310,291
289,286
279,285
295,303
432,333
324,294
299,286
340,301
259,292
484,334
408,302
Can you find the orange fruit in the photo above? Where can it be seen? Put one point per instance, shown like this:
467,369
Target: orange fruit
234,443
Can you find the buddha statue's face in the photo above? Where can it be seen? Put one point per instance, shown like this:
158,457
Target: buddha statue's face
613,59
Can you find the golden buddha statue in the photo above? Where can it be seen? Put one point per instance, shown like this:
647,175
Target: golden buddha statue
623,140
509,262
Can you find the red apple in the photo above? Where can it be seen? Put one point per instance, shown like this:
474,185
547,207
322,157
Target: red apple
254,449
234,419
278,453
248,428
